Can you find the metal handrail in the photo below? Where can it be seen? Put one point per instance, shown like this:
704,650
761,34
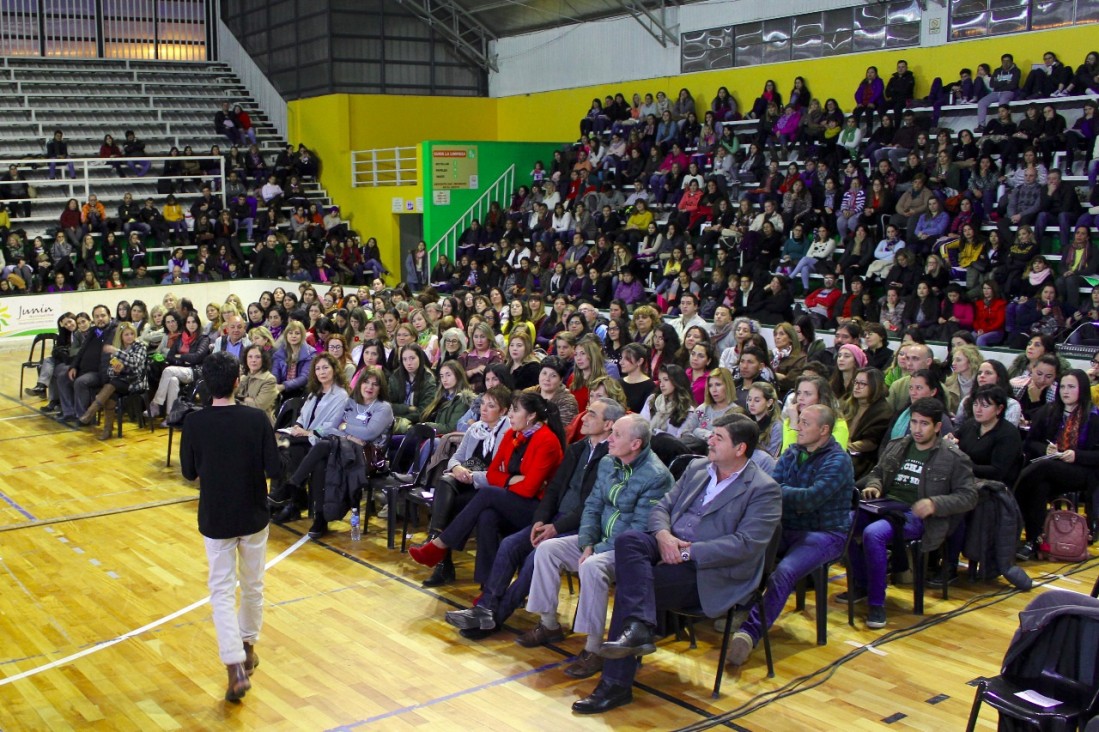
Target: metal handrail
389,166
86,165
448,243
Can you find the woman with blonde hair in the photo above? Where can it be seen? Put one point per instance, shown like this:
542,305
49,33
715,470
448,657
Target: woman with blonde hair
481,354
127,373
153,334
964,362
522,362
425,335
257,383
588,362
214,320
291,359
811,390
646,319
262,337
718,400
788,359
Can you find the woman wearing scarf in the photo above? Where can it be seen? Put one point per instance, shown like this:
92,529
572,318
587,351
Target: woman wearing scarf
510,489
1067,431
185,353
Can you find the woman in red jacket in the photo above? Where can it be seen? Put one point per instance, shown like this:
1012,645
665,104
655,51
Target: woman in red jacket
990,316
511,487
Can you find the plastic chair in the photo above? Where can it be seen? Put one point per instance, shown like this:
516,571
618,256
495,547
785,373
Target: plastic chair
820,584
39,342
680,463
737,614
406,460
1056,658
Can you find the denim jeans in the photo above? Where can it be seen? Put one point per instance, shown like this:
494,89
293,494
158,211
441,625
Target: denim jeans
869,552
801,552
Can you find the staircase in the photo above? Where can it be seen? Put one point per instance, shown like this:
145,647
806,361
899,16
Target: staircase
166,104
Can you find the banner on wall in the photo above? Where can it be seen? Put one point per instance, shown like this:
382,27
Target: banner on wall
454,167
23,316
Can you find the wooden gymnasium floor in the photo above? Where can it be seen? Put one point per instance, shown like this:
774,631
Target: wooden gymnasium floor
98,541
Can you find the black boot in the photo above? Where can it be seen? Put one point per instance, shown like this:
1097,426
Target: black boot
320,526
443,574
287,513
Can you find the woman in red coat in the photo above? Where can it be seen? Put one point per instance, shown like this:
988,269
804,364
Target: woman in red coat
990,316
510,489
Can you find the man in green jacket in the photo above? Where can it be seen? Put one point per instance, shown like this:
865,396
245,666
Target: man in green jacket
932,478
631,480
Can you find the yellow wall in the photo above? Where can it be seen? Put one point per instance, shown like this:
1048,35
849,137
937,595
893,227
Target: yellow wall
559,112
336,124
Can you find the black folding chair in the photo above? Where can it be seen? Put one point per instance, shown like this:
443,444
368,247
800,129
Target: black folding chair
820,583
40,341
405,461
737,614
1056,658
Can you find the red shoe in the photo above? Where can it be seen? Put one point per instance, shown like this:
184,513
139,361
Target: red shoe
428,554
477,600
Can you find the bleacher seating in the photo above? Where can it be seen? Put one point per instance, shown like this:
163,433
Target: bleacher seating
166,104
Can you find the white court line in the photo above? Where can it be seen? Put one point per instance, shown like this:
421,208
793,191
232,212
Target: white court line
21,416
126,636
868,647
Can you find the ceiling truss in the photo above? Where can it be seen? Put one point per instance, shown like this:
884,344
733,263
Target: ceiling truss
469,37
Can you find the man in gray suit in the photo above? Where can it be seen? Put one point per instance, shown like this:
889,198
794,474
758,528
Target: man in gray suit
704,548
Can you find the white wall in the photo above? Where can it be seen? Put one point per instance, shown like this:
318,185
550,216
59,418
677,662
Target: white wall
619,49
270,101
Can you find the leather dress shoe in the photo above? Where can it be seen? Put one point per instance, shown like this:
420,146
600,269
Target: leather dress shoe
238,682
605,697
480,618
586,665
443,574
636,640
540,636
282,493
251,659
287,513
318,529
477,633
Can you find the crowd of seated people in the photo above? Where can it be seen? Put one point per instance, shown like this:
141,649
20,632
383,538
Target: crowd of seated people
634,390
93,245
631,341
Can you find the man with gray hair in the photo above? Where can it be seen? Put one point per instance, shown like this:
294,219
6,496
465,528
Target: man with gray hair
631,480
558,514
817,480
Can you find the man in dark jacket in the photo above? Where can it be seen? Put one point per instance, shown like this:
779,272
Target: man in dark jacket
77,386
900,89
817,481
1060,207
932,479
265,261
558,515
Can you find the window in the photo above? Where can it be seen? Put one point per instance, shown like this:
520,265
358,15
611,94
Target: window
871,27
980,18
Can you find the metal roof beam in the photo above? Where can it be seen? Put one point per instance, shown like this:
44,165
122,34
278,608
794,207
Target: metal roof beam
469,37
657,27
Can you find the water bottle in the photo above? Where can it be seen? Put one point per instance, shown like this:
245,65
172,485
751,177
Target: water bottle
356,531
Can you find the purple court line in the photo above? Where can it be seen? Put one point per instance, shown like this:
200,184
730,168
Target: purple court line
17,507
448,697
